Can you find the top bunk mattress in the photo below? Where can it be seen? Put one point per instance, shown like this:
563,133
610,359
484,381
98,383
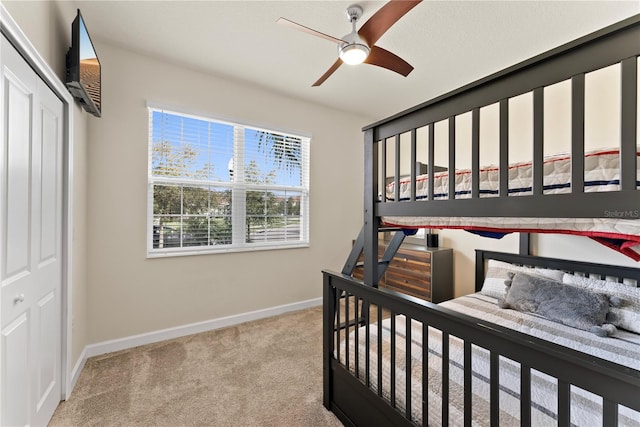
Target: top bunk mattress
602,173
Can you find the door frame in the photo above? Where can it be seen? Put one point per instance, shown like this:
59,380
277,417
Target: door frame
10,29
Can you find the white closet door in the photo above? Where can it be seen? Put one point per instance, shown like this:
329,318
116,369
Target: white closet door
30,255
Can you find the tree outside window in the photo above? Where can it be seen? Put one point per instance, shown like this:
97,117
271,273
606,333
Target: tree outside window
200,200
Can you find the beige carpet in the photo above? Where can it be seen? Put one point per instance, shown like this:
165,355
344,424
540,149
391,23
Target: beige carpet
263,373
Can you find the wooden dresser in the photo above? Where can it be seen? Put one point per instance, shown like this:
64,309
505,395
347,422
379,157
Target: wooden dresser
419,271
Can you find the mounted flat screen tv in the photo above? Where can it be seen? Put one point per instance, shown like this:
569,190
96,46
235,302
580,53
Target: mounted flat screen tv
83,68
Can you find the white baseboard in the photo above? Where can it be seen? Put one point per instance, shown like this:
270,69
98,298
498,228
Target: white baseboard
75,372
193,328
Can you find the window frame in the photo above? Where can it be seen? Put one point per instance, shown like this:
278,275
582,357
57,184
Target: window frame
238,188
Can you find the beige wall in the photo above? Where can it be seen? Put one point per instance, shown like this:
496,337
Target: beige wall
48,26
130,294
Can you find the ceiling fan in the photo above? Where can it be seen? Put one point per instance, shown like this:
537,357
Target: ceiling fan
358,47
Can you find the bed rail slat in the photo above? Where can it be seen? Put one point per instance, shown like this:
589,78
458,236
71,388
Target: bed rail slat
392,367
383,168
356,348
494,388
524,244
468,385
503,187
346,329
425,375
538,141
609,413
337,321
475,153
414,160
445,379
452,157
525,395
564,403
629,118
408,346
577,134
431,155
367,340
379,351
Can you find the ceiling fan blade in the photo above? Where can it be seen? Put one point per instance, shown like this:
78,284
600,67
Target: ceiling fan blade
384,18
330,71
300,27
385,59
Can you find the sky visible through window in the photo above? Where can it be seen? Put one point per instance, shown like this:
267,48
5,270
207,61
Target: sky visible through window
213,145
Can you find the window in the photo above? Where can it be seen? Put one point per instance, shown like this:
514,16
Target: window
216,186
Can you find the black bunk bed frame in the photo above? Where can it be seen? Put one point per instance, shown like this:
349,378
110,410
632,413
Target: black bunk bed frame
349,397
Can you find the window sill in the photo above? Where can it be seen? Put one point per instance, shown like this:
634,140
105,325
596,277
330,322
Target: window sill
177,252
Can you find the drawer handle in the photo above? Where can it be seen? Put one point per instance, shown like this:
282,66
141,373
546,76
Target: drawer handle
18,299
405,260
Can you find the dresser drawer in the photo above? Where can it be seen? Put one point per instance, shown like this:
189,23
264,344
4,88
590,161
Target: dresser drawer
412,257
408,285
422,272
411,261
408,277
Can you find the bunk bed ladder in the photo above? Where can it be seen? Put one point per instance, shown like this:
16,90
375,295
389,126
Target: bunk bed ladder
383,263
356,250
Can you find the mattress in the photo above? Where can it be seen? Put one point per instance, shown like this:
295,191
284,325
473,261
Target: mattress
621,231
624,349
601,174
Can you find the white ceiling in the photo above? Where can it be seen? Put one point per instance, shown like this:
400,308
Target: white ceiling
450,43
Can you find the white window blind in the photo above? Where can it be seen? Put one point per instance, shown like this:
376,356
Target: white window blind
216,186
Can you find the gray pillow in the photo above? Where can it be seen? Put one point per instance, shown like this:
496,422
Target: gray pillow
560,303
625,315
497,273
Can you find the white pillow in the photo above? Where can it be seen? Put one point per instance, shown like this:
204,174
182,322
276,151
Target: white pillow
493,285
627,316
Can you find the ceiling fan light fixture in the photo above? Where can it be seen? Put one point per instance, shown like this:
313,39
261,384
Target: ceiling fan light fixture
360,45
353,53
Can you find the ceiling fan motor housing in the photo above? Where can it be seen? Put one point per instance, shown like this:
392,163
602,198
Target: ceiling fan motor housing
355,50
354,12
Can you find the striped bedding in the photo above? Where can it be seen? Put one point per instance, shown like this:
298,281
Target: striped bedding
602,173
624,349
618,230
